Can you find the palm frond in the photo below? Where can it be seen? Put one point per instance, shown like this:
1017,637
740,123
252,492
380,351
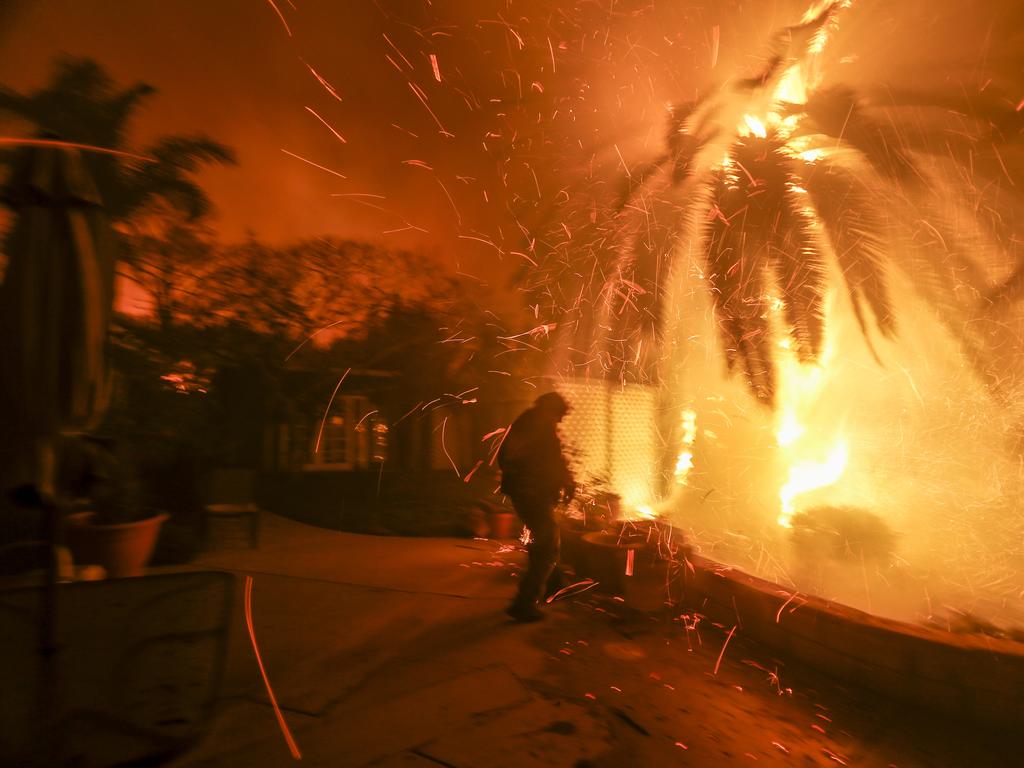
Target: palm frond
77,74
839,114
177,158
787,46
747,202
995,113
854,226
188,153
1007,291
647,229
123,105
801,274
11,102
682,146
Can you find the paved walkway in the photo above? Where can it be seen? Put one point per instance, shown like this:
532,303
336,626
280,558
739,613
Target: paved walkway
395,652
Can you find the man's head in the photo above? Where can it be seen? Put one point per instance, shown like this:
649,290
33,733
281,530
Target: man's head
552,405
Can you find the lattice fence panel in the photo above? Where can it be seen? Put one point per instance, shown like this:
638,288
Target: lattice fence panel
611,435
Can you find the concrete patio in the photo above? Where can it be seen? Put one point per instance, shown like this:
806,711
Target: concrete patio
395,652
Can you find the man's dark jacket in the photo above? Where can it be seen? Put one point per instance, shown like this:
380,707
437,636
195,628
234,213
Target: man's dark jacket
531,458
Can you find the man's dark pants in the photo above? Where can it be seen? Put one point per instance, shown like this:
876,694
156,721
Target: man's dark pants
538,514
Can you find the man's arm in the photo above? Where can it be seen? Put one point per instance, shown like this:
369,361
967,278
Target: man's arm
568,481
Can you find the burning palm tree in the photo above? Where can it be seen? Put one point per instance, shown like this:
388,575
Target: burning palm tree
782,180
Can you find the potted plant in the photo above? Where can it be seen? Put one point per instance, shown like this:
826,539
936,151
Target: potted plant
502,522
596,505
108,527
589,511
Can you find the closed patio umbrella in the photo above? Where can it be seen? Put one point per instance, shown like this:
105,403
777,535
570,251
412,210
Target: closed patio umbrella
55,306
55,302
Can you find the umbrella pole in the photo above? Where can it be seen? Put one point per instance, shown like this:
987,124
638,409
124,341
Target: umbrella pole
49,742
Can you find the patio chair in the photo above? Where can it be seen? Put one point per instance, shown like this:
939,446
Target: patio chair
137,670
229,499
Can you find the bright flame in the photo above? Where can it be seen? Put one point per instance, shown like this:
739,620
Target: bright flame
800,77
789,431
816,458
684,462
808,476
646,511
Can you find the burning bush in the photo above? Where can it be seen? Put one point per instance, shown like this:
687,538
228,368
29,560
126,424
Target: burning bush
843,533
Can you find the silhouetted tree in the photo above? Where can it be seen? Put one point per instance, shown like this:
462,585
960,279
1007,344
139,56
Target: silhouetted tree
82,104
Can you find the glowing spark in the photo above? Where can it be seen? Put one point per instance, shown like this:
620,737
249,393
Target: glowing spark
327,410
520,253
388,40
623,162
406,228
423,100
498,447
327,86
280,16
573,589
437,70
498,431
630,553
313,336
1002,165
451,200
469,475
366,416
315,165
329,126
778,615
444,447
480,240
722,652
509,28
292,746
832,755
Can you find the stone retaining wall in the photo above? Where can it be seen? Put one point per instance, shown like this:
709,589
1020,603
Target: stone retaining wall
965,675
971,676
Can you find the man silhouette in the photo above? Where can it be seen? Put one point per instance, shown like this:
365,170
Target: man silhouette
534,475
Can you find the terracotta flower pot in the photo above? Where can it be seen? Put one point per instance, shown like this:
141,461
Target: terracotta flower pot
504,525
123,549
